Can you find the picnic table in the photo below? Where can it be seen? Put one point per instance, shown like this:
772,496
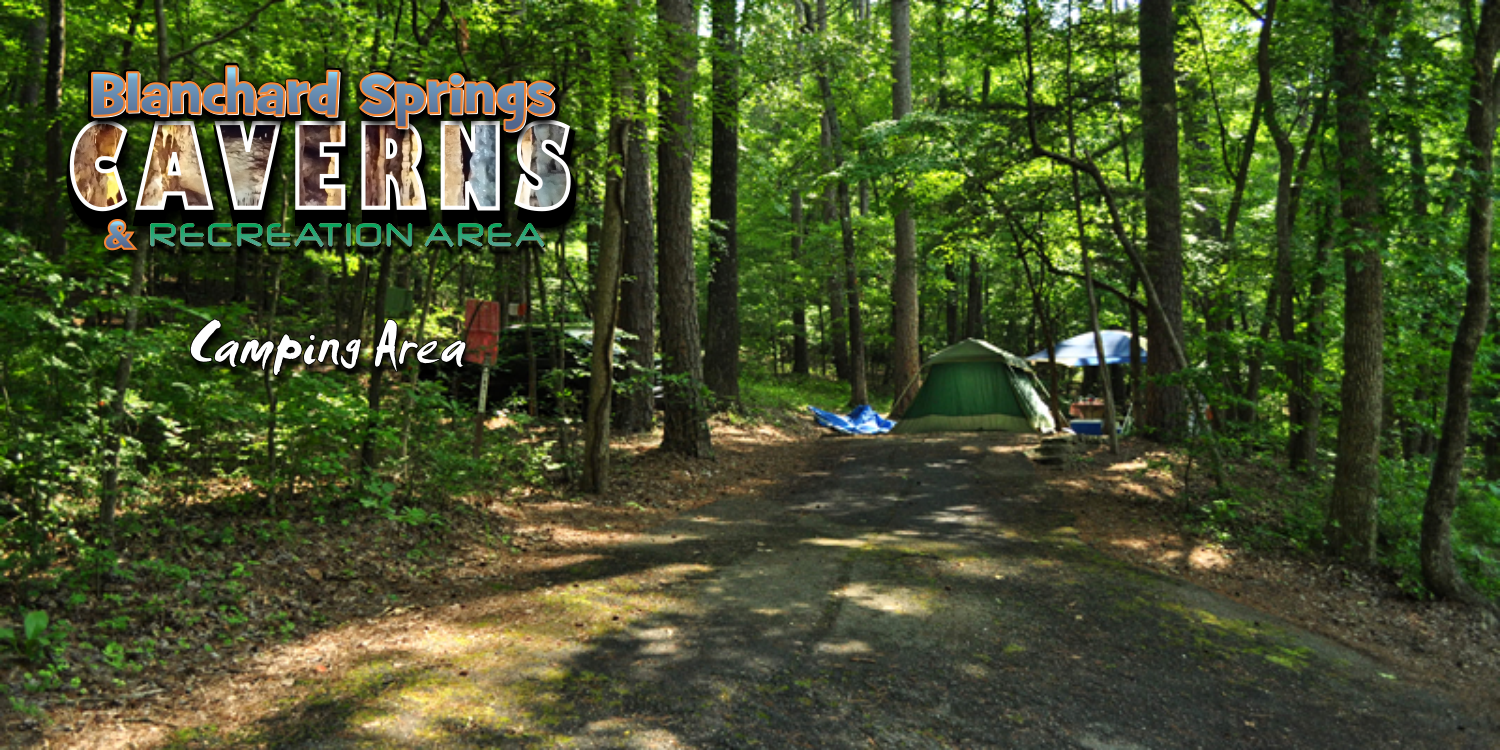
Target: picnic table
1087,408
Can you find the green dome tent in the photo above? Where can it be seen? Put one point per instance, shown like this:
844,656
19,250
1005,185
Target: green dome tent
975,385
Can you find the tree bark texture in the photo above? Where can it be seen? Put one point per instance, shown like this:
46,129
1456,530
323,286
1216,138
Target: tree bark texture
369,454
607,268
109,496
1293,361
800,363
838,324
721,368
606,294
858,389
836,208
685,426
904,324
638,284
1352,512
36,44
1492,456
1166,410
950,304
1439,571
57,12
974,308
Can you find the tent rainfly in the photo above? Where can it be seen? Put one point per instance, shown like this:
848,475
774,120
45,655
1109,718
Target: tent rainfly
975,385
1080,351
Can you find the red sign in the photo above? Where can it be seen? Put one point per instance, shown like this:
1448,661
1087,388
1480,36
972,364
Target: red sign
481,331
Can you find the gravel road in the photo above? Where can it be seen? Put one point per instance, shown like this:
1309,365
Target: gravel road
913,592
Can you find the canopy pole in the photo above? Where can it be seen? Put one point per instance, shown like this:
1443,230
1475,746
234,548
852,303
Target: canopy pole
1109,396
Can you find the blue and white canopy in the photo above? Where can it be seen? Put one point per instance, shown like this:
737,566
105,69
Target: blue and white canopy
1080,351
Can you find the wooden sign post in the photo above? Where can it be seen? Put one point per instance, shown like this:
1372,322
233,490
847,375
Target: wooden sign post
482,346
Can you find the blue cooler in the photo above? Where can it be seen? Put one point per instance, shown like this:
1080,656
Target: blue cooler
1088,426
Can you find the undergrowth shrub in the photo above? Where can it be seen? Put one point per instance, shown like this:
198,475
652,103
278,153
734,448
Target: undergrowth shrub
762,390
1290,513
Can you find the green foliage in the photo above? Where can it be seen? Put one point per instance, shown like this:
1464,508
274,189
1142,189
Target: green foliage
1403,492
1291,516
1477,536
1476,527
413,516
113,654
33,641
771,394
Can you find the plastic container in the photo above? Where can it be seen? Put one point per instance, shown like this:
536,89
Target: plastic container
1087,426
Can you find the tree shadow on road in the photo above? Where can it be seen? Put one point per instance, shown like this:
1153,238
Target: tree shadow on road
908,593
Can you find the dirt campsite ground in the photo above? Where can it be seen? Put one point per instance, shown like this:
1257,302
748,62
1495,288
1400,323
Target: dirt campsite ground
899,592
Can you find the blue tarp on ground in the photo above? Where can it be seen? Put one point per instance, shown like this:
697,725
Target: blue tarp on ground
1079,351
862,421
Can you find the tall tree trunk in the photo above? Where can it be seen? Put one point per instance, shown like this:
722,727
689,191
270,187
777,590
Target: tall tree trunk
1292,360
424,302
360,301
36,46
36,33
606,293
1137,365
838,322
858,393
55,219
269,385
1416,435
1137,390
369,454
974,307
1301,451
607,270
1039,309
163,58
1199,163
721,369
1255,364
1492,456
1166,407
1310,422
109,497
950,304
800,363
904,323
686,418
240,290
1088,267
836,208
1438,569
1296,362
532,372
1352,512
129,43
638,285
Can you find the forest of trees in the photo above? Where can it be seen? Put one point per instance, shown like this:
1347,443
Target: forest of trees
1291,200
